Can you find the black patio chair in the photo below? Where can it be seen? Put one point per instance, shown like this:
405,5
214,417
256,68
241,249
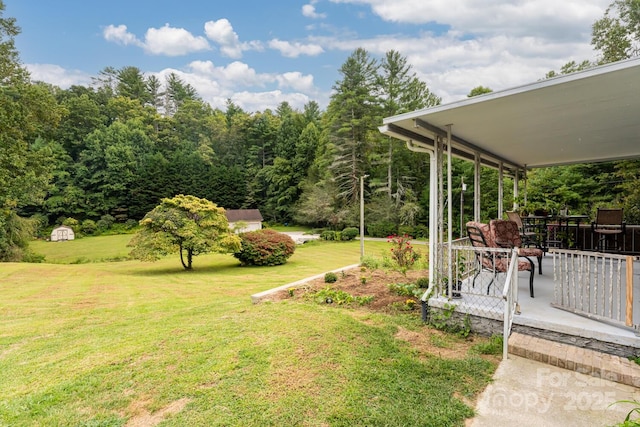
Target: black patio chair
495,262
609,224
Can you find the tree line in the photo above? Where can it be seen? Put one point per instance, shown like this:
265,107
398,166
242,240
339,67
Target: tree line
118,146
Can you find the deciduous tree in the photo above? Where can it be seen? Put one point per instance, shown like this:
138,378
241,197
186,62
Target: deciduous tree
185,224
28,115
617,34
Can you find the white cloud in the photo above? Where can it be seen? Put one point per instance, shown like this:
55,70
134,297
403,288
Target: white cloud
296,81
498,44
221,32
56,75
172,41
216,84
309,10
451,67
260,101
543,18
293,50
166,40
234,74
119,34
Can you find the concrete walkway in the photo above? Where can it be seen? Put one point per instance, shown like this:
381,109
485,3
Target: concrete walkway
525,392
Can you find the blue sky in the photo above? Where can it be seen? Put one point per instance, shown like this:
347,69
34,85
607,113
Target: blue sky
261,53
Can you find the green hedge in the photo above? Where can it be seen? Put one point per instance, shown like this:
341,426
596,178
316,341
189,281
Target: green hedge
382,229
349,233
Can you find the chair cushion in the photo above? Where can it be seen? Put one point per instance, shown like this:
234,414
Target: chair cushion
608,230
505,232
530,252
502,264
486,232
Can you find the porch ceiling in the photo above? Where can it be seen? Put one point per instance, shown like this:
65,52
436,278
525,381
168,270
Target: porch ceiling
583,117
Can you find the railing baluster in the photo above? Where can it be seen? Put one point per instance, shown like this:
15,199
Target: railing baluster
593,284
590,285
618,280
610,293
629,292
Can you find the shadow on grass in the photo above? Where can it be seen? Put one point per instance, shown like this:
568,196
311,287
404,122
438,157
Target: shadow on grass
230,268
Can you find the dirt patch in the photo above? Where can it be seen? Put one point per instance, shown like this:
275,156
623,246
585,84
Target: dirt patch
144,418
432,342
365,283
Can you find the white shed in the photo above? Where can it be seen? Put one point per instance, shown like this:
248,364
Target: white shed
62,233
243,220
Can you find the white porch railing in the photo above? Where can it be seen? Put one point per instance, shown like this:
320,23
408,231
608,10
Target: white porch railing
462,282
510,297
597,285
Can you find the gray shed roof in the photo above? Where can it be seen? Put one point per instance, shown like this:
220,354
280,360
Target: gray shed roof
248,215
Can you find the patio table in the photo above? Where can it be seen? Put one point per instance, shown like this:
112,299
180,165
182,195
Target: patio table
563,231
556,231
538,224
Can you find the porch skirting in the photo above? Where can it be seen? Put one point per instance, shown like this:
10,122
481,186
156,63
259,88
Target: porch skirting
487,326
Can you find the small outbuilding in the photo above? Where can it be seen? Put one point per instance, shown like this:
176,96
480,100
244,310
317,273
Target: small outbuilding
62,233
243,220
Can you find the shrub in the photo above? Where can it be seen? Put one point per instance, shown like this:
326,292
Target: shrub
130,224
39,223
102,225
370,262
381,229
88,226
71,222
265,247
422,282
328,235
406,229
421,232
405,289
107,220
349,233
402,252
330,277
335,296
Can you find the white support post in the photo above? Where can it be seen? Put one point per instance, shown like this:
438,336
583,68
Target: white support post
440,157
500,190
433,215
476,188
525,184
449,210
515,191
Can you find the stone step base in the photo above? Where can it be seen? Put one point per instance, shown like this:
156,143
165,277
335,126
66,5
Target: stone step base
585,361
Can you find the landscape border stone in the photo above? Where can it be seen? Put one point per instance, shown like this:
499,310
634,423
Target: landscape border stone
264,295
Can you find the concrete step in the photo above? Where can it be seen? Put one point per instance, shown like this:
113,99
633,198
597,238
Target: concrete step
585,361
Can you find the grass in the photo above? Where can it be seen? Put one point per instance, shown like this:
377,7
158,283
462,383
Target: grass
105,343
87,249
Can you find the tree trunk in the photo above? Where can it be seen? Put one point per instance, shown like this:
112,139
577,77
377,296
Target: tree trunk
189,258
186,266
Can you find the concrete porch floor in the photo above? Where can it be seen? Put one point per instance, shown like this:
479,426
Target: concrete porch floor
538,313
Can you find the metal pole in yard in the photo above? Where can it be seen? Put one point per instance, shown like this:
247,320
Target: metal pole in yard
362,216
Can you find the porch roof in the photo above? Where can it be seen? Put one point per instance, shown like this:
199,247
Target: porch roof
588,116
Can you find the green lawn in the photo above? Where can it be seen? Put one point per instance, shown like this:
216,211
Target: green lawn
107,343
78,251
